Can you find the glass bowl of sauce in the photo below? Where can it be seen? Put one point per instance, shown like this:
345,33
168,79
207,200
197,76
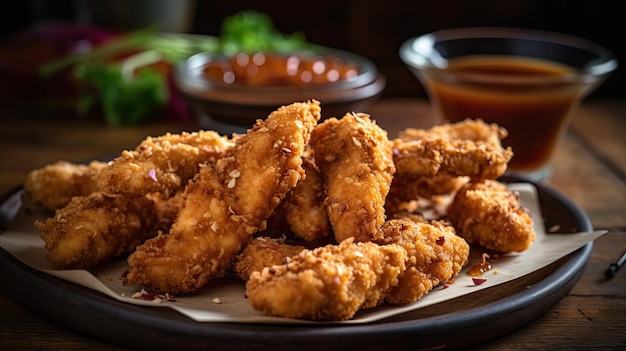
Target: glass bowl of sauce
229,93
527,81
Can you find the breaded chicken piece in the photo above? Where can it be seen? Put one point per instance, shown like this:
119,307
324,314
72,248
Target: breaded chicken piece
305,212
302,214
94,229
327,283
470,148
355,159
226,203
489,214
405,193
166,209
435,255
54,185
162,164
262,252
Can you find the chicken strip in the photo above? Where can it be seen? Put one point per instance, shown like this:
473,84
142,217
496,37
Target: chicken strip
355,159
489,214
262,252
422,193
162,164
435,255
327,283
166,209
302,214
305,212
226,203
470,148
97,228
54,185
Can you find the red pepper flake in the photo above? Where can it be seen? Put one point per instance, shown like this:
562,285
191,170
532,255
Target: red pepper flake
440,241
149,296
152,296
445,286
478,281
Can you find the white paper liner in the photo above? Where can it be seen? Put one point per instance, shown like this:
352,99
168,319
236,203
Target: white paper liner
223,299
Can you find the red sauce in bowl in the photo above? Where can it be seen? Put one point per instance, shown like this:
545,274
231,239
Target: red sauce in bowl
279,70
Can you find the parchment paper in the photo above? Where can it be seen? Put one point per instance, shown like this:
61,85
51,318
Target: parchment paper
223,300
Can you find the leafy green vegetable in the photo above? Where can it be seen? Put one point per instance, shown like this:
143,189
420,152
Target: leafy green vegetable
251,31
128,93
123,100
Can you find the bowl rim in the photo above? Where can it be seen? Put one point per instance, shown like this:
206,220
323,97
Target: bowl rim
188,74
421,59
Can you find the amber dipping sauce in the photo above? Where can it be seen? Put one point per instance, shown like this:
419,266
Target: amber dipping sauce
528,97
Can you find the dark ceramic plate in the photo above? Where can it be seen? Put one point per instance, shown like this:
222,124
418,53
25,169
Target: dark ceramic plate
465,321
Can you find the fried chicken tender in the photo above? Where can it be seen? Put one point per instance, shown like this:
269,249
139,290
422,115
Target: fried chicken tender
162,164
305,213
489,214
327,283
435,255
263,252
166,209
226,203
470,148
54,185
407,194
302,214
355,159
97,228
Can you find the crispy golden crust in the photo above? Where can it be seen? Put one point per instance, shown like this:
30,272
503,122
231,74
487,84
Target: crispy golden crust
166,209
487,213
162,164
435,255
94,229
327,283
469,148
262,252
407,194
302,213
305,212
54,185
226,203
355,159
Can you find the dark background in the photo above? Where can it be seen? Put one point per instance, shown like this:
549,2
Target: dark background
377,28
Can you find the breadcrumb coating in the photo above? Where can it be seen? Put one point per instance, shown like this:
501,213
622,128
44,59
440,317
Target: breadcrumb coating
470,148
327,283
226,203
489,214
262,252
54,185
435,255
94,229
162,164
355,159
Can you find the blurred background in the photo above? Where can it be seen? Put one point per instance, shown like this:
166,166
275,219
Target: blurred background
372,28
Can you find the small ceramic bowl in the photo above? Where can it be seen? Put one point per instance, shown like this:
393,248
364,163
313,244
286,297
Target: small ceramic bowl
229,94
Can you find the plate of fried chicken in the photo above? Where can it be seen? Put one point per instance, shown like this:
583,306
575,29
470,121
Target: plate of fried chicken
313,223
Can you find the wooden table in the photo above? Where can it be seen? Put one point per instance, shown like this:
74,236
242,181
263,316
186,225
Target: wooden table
589,168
